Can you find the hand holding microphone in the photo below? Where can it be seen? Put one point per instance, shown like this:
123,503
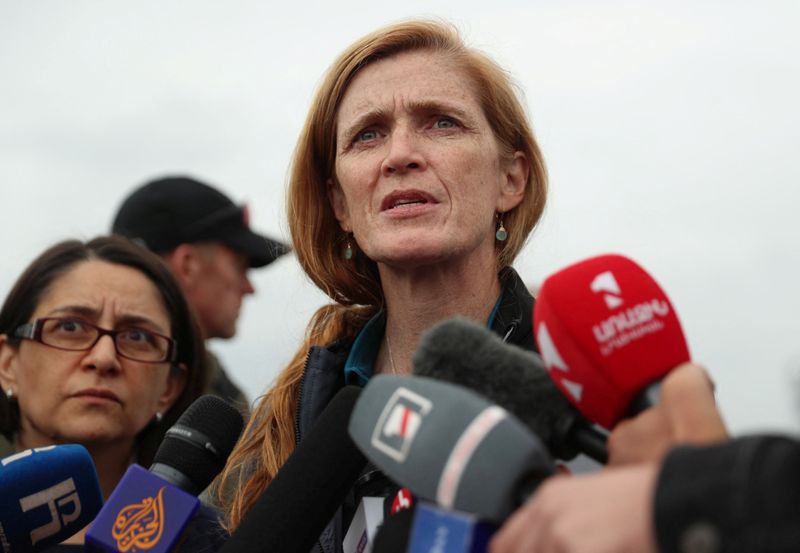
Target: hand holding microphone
606,512
686,414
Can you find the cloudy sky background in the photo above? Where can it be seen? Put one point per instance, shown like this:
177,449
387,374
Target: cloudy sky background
670,131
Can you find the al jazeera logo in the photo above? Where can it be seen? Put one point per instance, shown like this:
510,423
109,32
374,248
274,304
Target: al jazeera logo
138,527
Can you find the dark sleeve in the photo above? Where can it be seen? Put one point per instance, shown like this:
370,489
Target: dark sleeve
742,496
204,533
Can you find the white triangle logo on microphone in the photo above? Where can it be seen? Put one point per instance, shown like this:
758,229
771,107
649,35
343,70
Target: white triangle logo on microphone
605,282
548,349
574,389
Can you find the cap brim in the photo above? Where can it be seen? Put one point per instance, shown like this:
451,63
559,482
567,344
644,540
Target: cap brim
259,250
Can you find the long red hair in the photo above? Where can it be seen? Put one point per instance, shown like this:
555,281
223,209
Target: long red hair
318,240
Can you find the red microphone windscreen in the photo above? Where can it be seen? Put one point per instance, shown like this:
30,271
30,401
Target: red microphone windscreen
606,330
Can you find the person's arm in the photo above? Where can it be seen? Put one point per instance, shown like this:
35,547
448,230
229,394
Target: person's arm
738,497
606,512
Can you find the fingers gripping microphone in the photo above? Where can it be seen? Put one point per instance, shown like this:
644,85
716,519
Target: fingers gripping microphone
607,332
49,493
465,353
148,510
448,445
305,493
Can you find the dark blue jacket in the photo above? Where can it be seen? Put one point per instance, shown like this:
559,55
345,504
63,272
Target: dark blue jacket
324,376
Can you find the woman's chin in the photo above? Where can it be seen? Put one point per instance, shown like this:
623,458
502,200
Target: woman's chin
94,434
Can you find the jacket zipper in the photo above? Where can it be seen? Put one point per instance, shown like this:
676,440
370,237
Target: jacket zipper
297,403
318,544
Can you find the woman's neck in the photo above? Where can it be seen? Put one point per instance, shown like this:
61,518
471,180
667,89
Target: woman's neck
418,299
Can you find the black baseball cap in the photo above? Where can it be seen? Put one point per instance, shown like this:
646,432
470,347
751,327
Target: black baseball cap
170,211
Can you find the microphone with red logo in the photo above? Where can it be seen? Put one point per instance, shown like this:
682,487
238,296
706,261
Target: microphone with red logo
149,510
449,445
608,334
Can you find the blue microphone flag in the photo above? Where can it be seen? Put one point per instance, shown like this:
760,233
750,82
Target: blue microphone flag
49,494
144,513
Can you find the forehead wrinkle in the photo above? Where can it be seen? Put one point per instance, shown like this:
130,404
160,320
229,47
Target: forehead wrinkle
93,314
368,114
437,106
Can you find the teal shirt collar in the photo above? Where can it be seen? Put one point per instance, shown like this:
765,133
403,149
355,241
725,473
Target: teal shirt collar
361,360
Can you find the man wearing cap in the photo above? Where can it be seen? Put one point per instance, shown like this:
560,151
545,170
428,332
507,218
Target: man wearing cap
206,241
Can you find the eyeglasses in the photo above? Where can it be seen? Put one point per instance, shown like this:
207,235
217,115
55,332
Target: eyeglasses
136,344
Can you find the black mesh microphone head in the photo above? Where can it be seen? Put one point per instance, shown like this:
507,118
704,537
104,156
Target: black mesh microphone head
196,448
465,353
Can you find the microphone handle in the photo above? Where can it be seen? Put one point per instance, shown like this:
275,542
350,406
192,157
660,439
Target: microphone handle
648,397
590,442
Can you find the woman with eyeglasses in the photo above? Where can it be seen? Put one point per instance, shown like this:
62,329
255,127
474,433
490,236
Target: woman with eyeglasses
97,347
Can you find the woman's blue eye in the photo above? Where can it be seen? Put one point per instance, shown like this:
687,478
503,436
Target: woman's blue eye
444,123
365,136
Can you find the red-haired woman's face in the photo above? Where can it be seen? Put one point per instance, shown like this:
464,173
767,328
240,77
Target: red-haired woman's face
419,175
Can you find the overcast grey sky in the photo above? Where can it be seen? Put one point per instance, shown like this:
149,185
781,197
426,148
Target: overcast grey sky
669,130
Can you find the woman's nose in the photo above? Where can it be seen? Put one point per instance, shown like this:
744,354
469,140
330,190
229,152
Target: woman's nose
103,356
405,153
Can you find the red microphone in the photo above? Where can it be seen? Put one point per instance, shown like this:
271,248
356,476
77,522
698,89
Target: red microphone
607,333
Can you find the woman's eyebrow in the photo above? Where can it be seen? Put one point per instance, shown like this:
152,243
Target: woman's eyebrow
439,106
138,320
92,313
83,310
362,120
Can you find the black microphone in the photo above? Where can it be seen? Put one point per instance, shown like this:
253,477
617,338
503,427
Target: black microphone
465,353
449,445
49,494
296,506
149,510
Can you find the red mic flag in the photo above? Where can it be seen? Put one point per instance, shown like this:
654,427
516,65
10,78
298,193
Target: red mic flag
606,330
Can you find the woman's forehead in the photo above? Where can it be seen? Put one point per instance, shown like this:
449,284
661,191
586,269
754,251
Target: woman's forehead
100,285
414,75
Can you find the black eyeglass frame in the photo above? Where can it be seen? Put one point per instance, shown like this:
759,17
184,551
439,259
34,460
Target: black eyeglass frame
33,331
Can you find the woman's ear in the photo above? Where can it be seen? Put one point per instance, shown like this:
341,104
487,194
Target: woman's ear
8,364
513,182
339,204
176,382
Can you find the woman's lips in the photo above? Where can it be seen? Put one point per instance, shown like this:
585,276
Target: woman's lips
97,394
406,199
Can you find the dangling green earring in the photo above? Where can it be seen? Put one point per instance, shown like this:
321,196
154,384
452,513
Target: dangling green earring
348,250
501,233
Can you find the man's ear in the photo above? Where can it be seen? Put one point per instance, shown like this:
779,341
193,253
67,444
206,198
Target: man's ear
176,382
184,262
8,364
339,204
513,182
